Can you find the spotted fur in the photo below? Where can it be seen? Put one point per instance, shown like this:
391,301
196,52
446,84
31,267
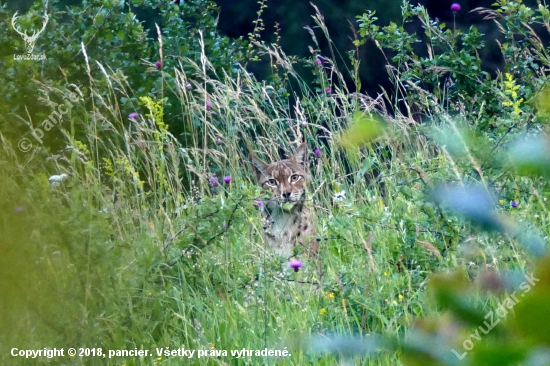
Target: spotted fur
288,220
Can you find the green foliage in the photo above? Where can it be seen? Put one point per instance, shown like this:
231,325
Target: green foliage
141,244
451,76
106,34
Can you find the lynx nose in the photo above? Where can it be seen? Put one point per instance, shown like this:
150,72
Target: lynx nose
286,196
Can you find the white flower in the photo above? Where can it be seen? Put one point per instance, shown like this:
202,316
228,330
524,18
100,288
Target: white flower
55,180
339,196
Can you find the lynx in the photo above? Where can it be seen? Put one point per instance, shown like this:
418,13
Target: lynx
288,221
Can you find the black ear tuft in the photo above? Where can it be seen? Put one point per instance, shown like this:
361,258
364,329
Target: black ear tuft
260,166
300,156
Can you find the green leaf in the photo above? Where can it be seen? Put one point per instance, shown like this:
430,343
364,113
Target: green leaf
362,130
531,156
495,353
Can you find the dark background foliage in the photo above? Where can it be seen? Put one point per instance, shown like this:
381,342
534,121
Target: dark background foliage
236,20
123,38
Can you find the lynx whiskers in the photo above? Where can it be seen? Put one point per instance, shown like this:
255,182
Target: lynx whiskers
288,220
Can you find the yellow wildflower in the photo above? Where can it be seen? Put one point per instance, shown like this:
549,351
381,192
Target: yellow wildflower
322,311
510,89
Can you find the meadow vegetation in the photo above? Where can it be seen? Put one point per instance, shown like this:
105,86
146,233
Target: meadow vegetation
430,199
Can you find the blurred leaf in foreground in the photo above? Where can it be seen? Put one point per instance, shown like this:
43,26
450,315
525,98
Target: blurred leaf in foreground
542,101
472,202
452,291
475,203
363,129
453,139
533,307
346,346
530,239
423,349
531,156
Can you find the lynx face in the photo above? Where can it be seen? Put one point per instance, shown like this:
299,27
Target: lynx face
285,178
288,220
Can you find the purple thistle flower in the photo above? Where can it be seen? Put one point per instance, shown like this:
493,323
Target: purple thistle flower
455,7
318,62
514,204
218,140
295,264
158,64
208,105
227,179
214,182
328,90
258,203
188,85
133,115
317,152
19,209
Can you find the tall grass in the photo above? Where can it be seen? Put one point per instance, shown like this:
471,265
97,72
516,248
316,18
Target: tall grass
135,249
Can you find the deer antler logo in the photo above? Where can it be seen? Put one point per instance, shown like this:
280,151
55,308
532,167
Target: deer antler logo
29,40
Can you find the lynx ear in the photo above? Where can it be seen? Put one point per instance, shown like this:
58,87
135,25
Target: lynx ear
260,166
300,156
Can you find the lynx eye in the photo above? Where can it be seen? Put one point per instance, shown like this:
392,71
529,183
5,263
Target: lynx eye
272,182
294,178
